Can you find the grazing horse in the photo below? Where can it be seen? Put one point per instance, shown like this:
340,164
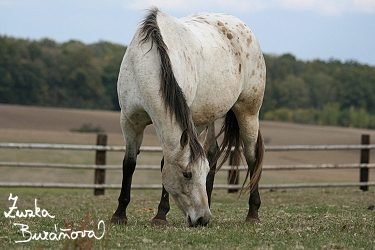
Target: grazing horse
182,75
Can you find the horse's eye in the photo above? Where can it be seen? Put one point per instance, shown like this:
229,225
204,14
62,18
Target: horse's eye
187,175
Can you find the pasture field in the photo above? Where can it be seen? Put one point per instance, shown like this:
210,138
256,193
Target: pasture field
54,125
330,218
291,219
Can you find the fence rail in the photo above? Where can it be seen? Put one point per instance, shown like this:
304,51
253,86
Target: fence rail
158,186
157,167
100,167
156,149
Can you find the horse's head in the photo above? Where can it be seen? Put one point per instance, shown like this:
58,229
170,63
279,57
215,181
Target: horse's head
185,179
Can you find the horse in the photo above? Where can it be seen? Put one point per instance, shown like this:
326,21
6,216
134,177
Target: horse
181,75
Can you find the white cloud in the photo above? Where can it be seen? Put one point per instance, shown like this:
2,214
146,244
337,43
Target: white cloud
324,7
199,5
329,7
162,4
367,6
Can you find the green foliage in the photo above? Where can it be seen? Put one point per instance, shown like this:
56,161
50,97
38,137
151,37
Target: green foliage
76,75
71,74
329,115
318,92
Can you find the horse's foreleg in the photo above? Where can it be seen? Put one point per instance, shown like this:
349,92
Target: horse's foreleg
163,208
211,156
212,150
133,137
128,167
210,181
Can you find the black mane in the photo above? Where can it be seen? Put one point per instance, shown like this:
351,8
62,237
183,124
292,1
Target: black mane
171,92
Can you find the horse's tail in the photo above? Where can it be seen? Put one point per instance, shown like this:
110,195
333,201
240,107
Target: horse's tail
231,147
257,168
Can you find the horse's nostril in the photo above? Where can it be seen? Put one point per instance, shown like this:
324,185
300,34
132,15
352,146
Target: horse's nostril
190,223
202,222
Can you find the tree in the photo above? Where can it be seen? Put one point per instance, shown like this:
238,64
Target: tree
81,78
293,93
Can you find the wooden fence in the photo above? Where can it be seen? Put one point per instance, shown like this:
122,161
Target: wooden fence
100,167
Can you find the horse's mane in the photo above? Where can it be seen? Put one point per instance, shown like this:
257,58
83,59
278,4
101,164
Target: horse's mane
171,92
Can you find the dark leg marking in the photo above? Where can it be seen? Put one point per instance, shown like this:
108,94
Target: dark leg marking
212,152
128,167
163,208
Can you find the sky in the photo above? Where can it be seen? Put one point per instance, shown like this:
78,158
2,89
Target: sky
309,29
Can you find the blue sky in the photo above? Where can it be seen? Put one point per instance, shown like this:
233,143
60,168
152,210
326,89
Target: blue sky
309,29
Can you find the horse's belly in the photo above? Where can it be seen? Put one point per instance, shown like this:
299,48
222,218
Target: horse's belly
207,111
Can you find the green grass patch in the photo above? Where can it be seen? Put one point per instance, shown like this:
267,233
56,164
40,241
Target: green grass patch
291,219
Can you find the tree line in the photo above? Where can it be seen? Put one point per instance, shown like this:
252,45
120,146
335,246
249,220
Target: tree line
71,74
319,92
76,75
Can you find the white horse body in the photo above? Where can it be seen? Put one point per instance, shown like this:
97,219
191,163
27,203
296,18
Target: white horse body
205,66
219,66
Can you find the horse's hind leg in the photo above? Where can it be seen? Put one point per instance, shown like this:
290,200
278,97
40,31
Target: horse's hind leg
253,151
133,137
163,208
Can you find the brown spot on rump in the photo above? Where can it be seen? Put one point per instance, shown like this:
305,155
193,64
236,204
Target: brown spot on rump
249,40
253,72
220,23
229,36
255,89
247,55
239,68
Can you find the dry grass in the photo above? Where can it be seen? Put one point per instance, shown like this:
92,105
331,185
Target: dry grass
53,125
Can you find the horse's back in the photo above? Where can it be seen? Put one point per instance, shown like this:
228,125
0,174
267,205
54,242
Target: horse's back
218,62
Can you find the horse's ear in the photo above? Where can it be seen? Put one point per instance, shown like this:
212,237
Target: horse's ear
184,139
202,136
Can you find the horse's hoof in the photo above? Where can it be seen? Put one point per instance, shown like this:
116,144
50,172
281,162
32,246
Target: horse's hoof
252,220
159,222
117,220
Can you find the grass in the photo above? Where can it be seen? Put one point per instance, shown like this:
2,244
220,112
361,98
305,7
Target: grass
333,218
293,219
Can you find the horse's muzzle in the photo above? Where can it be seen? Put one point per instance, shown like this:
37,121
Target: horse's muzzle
201,221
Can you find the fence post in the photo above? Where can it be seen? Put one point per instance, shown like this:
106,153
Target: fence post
365,158
233,176
100,159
